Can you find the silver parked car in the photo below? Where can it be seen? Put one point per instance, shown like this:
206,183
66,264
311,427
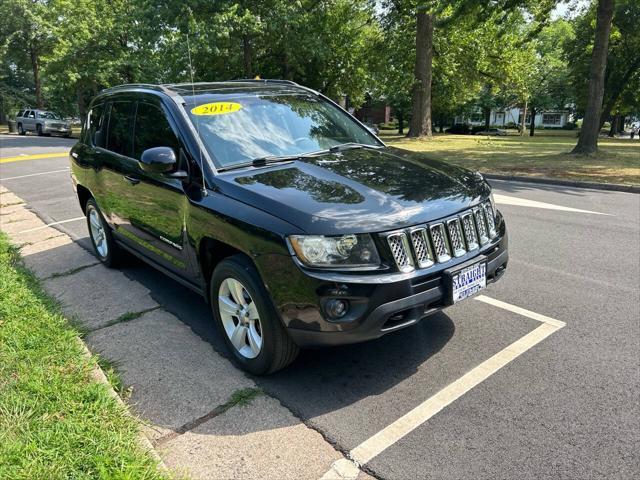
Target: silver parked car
42,122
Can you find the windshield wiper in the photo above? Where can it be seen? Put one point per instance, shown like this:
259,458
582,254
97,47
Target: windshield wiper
352,145
258,162
262,161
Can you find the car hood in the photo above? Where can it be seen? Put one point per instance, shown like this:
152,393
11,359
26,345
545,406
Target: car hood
357,191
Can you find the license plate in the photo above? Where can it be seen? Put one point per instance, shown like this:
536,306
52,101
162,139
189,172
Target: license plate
468,281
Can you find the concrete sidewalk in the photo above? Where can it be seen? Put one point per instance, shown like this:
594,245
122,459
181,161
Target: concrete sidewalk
205,418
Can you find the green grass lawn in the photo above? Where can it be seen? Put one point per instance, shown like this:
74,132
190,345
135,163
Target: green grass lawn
544,155
55,421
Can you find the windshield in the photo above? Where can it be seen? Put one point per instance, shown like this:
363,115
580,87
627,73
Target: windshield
49,115
243,128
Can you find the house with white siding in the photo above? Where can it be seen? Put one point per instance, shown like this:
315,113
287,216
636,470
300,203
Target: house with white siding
504,117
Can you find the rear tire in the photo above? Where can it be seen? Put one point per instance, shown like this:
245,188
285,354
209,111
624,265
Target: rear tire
254,314
101,237
21,130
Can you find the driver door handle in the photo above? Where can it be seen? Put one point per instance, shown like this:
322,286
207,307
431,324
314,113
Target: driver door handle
131,179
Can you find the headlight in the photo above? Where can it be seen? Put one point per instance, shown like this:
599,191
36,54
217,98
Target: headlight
336,251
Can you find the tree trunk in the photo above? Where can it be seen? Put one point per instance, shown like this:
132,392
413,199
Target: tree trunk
532,124
487,117
400,114
613,129
523,122
35,67
621,122
588,140
441,124
421,99
247,56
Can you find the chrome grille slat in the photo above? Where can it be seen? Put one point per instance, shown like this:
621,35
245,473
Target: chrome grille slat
481,225
491,222
401,251
421,247
469,228
455,236
441,248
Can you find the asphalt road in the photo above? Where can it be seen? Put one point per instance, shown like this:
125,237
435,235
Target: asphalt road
569,407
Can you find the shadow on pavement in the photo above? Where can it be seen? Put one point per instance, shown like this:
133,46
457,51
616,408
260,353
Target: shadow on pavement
30,140
322,380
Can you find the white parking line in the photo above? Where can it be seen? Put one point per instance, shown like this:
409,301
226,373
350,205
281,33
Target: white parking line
348,468
523,202
34,174
53,223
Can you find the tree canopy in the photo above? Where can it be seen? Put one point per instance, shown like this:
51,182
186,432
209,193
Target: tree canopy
476,54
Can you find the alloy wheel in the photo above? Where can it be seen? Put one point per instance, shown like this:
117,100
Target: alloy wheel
240,318
98,234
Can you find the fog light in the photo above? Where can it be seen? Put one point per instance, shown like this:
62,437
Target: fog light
336,308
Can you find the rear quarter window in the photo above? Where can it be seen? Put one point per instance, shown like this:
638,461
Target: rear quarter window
96,127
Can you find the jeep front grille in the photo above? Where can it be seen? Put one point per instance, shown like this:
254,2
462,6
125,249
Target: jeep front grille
400,251
439,242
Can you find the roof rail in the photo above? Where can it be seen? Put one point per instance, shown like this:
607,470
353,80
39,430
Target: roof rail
265,80
150,86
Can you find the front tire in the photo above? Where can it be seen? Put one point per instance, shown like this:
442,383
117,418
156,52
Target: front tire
247,320
39,130
101,237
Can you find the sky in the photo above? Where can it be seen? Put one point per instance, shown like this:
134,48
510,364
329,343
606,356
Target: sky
569,8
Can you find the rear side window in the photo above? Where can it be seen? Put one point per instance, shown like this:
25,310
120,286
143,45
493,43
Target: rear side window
153,130
96,127
30,114
120,128
20,113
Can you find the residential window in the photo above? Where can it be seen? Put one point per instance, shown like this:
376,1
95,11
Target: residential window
527,120
477,118
551,118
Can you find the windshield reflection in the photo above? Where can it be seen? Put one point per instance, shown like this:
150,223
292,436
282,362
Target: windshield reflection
273,125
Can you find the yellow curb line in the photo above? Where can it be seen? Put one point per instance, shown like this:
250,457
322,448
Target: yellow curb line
20,158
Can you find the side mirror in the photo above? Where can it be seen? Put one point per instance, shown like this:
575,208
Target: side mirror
158,160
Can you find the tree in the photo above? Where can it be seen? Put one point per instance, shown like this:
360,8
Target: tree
26,31
588,140
434,14
623,59
549,83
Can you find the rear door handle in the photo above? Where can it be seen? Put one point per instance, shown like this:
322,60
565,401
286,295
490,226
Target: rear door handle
132,180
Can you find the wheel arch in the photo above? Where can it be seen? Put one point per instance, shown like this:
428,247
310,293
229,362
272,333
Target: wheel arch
83,197
210,253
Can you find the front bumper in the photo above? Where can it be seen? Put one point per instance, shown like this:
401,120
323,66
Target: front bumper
56,130
391,302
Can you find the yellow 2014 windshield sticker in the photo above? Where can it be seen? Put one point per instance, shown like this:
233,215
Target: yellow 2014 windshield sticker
216,108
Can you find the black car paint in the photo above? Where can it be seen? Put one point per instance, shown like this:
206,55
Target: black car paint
182,226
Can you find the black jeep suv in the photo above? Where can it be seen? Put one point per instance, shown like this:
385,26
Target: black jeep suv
296,223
